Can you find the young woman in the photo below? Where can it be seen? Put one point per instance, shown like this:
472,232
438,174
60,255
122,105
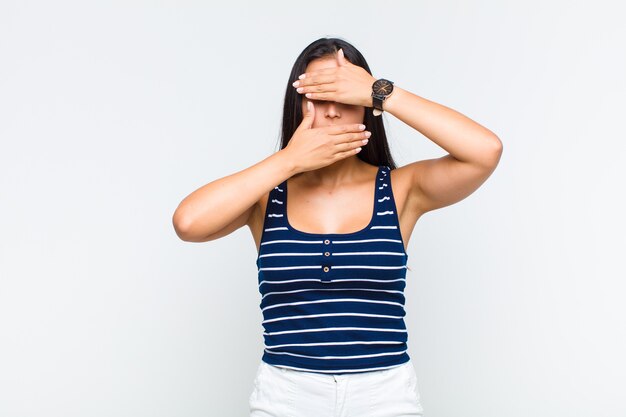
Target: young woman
331,216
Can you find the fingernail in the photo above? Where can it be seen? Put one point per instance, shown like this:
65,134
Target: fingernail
296,83
361,127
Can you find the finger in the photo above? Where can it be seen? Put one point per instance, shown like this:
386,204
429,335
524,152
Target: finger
314,80
326,96
319,71
341,60
346,128
320,87
309,115
349,138
349,152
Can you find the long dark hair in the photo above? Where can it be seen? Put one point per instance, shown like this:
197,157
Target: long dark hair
376,152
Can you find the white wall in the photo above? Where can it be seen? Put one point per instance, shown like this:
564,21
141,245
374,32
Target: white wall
112,112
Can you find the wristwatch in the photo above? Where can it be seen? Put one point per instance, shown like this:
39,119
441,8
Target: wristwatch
381,89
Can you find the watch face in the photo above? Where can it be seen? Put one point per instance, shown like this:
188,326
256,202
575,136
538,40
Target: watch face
383,87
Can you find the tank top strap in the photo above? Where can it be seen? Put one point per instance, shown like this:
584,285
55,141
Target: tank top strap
385,206
275,217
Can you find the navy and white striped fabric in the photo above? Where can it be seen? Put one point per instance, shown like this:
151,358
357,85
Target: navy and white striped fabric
334,303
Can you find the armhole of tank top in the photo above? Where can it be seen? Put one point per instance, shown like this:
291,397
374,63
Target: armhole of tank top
396,215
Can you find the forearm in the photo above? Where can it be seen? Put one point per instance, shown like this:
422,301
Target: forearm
217,204
460,136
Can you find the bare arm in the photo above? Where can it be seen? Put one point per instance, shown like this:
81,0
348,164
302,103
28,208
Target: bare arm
224,205
474,151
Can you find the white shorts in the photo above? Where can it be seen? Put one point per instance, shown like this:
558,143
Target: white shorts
282,392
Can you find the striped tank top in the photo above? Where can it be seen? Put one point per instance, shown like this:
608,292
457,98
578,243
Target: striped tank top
334,303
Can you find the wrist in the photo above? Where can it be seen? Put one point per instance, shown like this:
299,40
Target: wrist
382,90
285,162
390,104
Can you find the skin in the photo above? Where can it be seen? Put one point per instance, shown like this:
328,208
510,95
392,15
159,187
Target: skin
318,199
313,195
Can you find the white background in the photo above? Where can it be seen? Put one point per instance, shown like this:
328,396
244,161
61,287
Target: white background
112,112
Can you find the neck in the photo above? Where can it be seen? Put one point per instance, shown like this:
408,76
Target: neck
347,170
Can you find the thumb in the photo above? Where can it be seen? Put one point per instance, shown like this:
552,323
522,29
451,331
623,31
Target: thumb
341,60
309,115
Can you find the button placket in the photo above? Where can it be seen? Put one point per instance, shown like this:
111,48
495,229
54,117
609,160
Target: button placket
326,266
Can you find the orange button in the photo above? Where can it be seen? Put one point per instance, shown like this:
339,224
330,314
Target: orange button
326,242
326,269
326,253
